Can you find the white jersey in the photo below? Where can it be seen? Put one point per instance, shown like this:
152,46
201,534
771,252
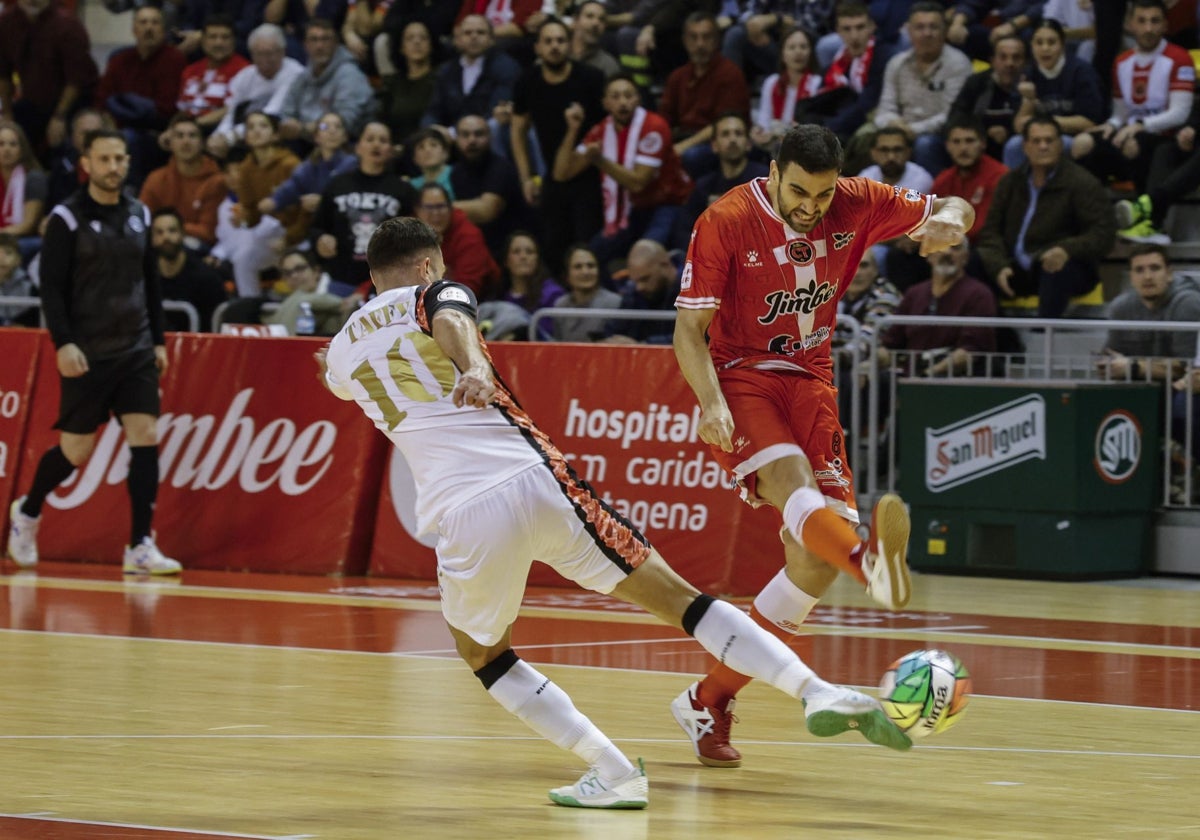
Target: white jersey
386,360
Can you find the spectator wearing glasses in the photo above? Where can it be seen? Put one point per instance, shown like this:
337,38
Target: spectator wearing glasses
468,260
332,77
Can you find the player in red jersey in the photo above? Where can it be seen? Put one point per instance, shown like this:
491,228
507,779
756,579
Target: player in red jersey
766,267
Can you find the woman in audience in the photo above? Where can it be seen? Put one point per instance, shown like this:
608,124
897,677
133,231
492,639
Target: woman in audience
23,187
266,167
525,277
797,79
404,93
304,185
585,292
1060,85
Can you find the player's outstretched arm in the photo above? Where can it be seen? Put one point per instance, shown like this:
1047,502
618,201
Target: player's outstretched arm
952,217
455,332
691,351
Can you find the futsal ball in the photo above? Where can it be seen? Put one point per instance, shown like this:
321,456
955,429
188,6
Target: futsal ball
925,692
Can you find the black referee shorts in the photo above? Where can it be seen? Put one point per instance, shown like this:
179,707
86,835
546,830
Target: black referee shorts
124,385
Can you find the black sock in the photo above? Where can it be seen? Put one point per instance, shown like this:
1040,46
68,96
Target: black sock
143,490
52,470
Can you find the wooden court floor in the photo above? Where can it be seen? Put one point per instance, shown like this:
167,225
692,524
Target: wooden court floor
262,706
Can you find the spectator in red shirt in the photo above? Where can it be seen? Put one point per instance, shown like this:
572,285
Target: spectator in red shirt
642,182
204,87
698,92
191,183
468,260
140,87
974,174
48,49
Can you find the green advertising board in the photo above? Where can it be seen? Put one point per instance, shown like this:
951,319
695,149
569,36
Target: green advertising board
1053,479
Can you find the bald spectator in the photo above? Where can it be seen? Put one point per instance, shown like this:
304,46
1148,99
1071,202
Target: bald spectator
260,87
47,48
698,92
191,183
652,286
478,80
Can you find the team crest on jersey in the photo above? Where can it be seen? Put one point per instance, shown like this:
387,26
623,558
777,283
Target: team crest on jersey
453,294
841,240
912,195
136,225
650,144
800,251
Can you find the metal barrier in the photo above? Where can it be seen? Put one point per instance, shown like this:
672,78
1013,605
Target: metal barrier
181,306
218,316
555,313
1041,361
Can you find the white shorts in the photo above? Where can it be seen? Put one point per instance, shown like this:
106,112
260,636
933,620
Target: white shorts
485,548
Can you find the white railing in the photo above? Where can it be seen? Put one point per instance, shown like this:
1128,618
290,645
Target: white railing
181,306
1042,360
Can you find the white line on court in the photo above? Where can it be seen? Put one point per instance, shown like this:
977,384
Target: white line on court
43,817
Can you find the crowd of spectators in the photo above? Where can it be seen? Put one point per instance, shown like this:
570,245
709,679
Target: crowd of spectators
563,149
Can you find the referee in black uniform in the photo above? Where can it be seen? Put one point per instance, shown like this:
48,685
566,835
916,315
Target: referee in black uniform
102,303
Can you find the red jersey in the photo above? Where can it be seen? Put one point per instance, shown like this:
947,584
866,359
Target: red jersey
776,291
203,88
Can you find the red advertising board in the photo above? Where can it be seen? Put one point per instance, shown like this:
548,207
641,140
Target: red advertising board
19,349
260,467
627,420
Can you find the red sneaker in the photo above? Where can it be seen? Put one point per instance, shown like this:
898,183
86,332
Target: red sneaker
708,728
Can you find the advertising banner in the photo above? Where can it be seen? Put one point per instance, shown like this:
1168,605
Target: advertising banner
626,420
260,468
19,348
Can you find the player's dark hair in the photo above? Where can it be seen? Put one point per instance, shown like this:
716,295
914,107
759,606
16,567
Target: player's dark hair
731,115
551,20
969,122
1143,248
166,211
102,134
892,131
399,240
218,20
1041,119
814,148
1054,26
1150,4
850,9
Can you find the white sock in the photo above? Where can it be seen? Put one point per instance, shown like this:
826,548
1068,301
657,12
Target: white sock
732,637
547,710
784,604
802,502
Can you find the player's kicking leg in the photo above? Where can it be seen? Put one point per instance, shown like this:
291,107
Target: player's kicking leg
740,644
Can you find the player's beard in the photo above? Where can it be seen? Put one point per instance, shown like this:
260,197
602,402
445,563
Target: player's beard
790,215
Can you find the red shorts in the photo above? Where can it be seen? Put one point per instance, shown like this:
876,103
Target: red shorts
780,413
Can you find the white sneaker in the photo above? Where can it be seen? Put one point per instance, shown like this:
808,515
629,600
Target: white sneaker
834,710
22,536
145,559
884,561
630,792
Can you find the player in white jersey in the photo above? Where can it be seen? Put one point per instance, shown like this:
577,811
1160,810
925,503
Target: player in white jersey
499,494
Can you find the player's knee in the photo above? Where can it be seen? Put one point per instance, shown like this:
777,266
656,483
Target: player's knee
490,671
